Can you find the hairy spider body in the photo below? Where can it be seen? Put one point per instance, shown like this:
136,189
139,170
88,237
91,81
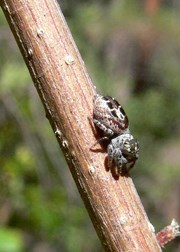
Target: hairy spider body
110,117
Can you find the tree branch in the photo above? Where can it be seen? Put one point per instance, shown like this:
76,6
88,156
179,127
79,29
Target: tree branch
66,91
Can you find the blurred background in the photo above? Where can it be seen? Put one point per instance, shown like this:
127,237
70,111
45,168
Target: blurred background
132,52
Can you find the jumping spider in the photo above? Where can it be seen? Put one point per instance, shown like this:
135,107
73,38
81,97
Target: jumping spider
110,117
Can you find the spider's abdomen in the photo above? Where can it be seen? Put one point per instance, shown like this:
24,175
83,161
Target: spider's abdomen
110,113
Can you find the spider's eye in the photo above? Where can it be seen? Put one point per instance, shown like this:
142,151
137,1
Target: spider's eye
127,146
131,149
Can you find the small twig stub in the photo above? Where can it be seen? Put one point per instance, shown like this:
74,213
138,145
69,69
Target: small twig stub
168,233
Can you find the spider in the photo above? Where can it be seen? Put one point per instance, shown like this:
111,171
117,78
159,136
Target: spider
110,117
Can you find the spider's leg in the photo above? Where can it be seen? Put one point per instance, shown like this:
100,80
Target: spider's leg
107,131
100,140
110,155
118,158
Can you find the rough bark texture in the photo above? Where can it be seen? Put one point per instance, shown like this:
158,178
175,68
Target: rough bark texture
67,93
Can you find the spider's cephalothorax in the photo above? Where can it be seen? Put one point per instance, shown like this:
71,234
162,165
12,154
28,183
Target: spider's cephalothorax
110,117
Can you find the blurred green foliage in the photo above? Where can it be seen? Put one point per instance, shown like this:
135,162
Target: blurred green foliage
132,53
11,240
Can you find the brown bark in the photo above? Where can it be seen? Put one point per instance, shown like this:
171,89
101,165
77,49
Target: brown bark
67,93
